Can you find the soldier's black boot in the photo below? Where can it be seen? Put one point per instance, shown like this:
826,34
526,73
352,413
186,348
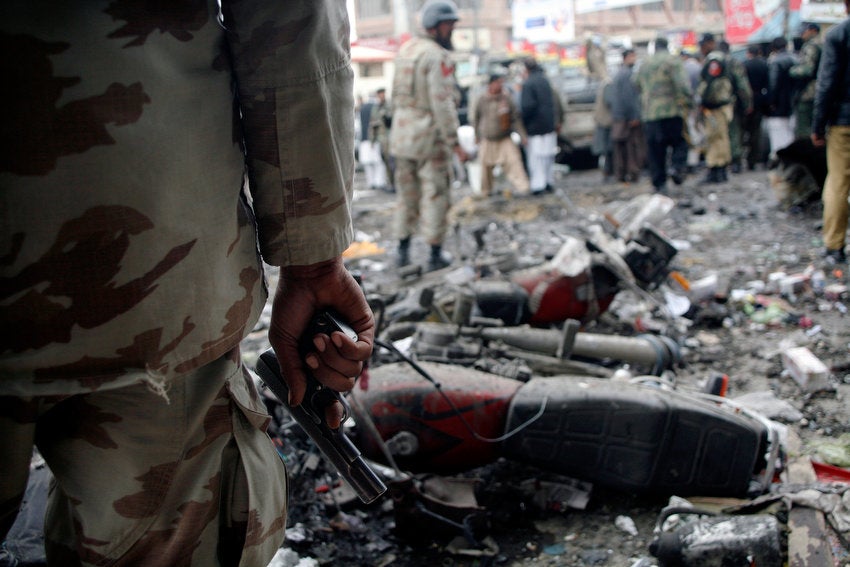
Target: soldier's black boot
437,261
403,257
712,176
721,174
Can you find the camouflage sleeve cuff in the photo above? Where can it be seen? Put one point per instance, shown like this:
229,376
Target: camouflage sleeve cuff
296,100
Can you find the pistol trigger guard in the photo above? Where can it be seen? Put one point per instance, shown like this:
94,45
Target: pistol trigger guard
346,409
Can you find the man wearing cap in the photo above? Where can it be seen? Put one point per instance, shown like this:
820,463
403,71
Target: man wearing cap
805,73
626,130
541,116
496,116
424,132
831,126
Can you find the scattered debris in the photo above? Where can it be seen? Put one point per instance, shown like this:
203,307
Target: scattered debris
576,334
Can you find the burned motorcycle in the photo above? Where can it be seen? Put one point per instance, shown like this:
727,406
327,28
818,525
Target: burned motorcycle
631,436
623,251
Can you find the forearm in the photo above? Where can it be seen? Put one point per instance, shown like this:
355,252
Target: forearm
296,104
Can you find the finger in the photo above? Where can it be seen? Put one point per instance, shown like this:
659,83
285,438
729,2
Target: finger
334,414
359,350
293,374
330,367
339,353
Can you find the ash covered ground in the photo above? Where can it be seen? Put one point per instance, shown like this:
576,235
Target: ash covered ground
736,231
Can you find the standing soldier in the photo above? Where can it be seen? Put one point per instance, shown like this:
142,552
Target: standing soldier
379,132
133,266
665,101
716,95
742,105
424,132
805,72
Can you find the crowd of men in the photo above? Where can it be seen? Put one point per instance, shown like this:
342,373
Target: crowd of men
711,108
669,113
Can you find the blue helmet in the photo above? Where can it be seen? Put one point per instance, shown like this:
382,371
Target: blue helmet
438,11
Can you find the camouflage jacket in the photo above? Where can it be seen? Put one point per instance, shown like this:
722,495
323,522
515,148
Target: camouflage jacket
740,83
663,86
129,243
716,86
425,120
805,71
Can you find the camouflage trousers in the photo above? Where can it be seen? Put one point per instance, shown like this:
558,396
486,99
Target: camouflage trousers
718,152
736,135
836,188
423,198
140,480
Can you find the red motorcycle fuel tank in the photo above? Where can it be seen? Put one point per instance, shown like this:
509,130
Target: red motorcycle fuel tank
437,437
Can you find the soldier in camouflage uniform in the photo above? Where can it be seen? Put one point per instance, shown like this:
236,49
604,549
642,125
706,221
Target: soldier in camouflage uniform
742,105
380,122
805,71
131,273
665,101
424,132
716,95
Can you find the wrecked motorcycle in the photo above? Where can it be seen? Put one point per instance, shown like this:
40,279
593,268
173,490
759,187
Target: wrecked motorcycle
630,436
622,251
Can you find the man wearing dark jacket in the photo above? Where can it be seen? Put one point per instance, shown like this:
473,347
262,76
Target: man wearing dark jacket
757,74
541,120
831,126
780,130
626,132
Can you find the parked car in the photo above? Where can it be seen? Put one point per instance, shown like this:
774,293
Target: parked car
577,90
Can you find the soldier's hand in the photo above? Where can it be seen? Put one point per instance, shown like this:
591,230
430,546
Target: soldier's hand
337,360
818,140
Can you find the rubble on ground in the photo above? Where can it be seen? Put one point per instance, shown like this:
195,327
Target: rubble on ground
753,311
742,311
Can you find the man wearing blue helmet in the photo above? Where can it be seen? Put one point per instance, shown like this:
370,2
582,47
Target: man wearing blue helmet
424,133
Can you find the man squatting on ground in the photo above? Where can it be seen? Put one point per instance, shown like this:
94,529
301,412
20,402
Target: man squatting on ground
131,272
424,133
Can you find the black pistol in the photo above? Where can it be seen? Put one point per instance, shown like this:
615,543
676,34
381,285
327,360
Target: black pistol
310,414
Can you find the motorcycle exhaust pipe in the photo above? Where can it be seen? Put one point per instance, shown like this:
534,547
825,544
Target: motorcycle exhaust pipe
655,351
